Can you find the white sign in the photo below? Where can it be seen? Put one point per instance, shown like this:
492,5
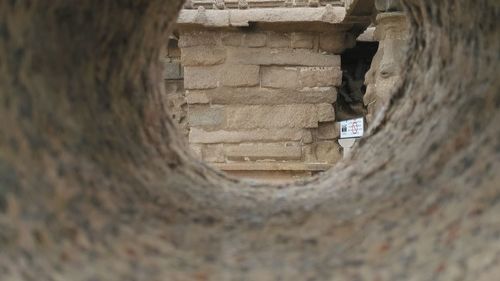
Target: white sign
353,128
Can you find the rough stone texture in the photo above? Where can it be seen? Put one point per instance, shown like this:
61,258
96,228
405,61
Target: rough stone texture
271,56
240,75
96,184
272,116
327,131
320,76
325,112
281,151
302,40
202,55
197,77
255,39
387,66
254,96
203,116
327,151
280,77
278,40
264,135
291,84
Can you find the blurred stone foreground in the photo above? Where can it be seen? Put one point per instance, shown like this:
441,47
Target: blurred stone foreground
98,183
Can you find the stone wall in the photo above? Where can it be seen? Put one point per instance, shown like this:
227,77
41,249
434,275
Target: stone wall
174,99
262,100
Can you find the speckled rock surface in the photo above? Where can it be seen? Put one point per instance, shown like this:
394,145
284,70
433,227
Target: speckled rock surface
95,183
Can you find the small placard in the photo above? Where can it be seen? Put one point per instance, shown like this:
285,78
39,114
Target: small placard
353,128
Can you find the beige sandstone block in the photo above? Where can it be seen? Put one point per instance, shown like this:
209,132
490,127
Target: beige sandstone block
280,77
202,56
302,40
234,39
196,97
308,155
263,151
206,116
272,56
320,76
172,71
271,116
240,75
196,150
213,153
198,135
272,166
325,112
333,42
200,77
255,96
198,38
328,131
255,39
328,151
278,40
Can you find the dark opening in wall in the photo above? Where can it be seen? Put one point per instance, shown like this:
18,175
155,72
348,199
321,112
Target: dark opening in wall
355,63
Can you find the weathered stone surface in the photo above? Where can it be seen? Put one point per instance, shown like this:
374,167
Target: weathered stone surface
272,56
197,135
234,39
197,77
255,39
206,116
193,97
280,77
385,71
213,153
302,40
196,149
278,40
320,76
268,116
240,75
328,151
272,166
335,42
262,96
325,112
202,56
327,131
172,71
388,5
262,151
198,38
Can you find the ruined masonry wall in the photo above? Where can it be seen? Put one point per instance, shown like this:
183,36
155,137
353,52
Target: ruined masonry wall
174,99
258,97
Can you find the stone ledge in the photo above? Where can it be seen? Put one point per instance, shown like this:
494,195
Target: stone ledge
240,18
272,166
266,96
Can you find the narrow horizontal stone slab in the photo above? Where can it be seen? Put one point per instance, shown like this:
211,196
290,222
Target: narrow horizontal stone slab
272,166
201,77
262,96
276,151
285,57
202,56
271,116
238,18
197,135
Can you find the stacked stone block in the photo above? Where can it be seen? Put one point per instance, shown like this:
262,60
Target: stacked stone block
173,75
261,100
